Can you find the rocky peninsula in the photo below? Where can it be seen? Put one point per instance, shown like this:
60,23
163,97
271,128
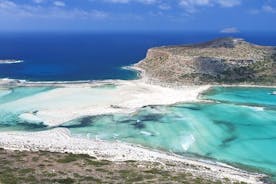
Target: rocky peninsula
220,61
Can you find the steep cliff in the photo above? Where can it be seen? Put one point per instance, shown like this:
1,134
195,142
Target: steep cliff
225,60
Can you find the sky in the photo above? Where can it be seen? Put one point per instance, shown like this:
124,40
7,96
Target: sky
225,16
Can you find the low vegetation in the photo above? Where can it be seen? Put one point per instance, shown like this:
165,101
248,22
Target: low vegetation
45,167
225,60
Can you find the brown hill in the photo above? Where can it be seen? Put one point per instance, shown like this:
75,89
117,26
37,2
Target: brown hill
224,60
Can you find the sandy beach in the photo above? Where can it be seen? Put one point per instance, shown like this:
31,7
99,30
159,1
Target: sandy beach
73,100
68,101
59,140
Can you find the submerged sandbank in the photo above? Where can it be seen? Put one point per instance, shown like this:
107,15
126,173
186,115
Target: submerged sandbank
69,101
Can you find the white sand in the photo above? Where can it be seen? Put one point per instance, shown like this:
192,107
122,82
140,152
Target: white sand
59,140
72,101
30,118
81,99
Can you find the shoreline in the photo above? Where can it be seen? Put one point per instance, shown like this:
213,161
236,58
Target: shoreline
141,74
60,140
125,97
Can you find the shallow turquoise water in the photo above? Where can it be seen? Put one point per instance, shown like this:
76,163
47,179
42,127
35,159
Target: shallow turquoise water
232,129
237,127
226,132
9,115
9,95
243,95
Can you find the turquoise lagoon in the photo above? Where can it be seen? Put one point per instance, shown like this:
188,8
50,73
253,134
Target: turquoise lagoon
235,125
10,110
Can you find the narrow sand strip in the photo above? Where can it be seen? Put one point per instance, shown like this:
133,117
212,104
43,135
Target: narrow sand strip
72,101
59,140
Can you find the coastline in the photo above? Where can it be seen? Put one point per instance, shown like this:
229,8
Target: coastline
60,140
126,97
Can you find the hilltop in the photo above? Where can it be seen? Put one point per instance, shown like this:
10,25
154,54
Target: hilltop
224,60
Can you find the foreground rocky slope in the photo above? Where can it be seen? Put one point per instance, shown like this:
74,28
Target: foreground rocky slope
225,60
47,168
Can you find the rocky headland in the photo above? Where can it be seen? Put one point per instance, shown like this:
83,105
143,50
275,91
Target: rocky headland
220,61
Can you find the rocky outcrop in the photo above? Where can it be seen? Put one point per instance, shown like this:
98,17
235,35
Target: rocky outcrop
10,61
225,60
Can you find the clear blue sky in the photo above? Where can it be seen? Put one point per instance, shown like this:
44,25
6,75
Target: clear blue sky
135,15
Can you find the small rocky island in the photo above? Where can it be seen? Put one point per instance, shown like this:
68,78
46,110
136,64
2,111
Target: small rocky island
10,61
220,61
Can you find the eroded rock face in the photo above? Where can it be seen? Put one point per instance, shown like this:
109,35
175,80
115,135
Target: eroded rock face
226,60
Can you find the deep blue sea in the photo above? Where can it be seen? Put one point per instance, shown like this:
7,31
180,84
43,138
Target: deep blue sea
91,56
